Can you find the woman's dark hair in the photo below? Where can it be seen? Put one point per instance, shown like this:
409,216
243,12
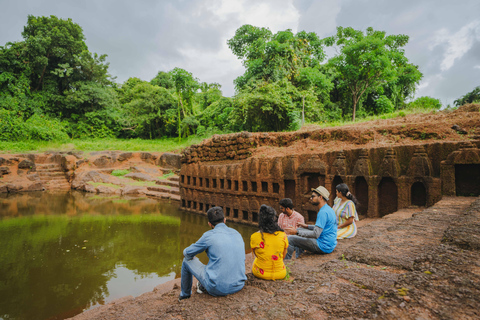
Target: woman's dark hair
343,189
267,220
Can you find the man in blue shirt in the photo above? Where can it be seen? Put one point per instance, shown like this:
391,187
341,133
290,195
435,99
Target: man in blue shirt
225,272
319,238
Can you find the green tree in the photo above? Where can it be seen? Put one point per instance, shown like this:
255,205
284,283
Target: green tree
185,88
51,43
471,97
425,103
269,58
367,60
147,110
265,106
163,79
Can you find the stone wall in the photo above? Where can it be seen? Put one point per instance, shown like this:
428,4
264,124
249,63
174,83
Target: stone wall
383,179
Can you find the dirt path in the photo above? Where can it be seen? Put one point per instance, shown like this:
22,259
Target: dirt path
408,265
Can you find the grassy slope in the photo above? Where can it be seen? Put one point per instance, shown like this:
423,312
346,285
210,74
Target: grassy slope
159,145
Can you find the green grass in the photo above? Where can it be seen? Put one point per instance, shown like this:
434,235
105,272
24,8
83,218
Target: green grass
158,145
392,115
120,173
167,175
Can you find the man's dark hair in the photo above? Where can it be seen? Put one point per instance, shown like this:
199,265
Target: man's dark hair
286,203
215,215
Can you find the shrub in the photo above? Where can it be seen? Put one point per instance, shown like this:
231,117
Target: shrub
425,103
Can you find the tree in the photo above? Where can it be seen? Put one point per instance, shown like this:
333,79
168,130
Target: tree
163,79
471,97
50,43
367,60
185,88
146,110
284,56
265,106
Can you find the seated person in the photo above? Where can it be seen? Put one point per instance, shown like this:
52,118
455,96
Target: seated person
345,208
225,272
319,238
269,246
289,217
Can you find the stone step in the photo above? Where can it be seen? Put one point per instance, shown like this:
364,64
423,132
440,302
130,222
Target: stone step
174,178
56,186
165,189
48,169
50,178
165,182
48,166
51,174
163,195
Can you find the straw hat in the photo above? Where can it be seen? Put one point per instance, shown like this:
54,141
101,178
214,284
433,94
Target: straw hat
321,190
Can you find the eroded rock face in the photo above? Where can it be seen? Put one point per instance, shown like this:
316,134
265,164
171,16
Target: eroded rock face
148,157
140,176
81,180
26,164
104,161
170,161
125,156
4,170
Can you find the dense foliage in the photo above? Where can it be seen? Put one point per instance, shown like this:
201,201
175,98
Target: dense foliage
471,97
53,88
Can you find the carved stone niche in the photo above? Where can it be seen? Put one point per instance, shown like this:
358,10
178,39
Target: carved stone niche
390,166
264,172
313,165
420,165
276,168
468,154
468,159
363,167
339,166
289,167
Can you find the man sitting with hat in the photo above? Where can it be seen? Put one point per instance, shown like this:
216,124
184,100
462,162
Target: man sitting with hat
319,238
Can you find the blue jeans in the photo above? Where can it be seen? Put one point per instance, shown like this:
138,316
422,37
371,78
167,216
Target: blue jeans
191,267
300,244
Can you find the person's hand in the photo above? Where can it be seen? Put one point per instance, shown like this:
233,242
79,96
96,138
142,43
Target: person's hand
291,230
302,225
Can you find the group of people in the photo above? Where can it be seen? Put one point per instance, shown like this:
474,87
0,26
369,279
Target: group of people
277,240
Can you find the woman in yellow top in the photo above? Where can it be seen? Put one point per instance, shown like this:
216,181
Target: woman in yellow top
269,246
345,209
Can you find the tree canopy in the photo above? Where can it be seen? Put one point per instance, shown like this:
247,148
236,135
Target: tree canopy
370,60
51,80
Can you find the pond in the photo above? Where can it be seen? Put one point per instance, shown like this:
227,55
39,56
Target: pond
63,253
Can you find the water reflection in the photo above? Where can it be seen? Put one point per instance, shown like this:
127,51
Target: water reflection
63,253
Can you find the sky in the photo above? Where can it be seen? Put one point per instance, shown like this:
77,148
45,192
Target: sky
144,37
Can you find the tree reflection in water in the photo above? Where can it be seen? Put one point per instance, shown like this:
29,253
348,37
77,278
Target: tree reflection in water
61,252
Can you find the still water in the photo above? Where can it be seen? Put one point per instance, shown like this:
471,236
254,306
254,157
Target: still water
63,253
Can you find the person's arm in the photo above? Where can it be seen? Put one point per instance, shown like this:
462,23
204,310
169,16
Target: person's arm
350,212
348,222
253,254
196,248
308,233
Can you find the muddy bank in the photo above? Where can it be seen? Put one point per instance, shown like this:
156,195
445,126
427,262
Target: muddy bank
413,264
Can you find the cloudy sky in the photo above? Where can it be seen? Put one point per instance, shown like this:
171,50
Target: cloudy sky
143,37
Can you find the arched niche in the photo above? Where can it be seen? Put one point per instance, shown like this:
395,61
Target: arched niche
361,193
387,196
418,194
467,180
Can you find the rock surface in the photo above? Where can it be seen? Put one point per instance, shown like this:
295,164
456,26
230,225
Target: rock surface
407,265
